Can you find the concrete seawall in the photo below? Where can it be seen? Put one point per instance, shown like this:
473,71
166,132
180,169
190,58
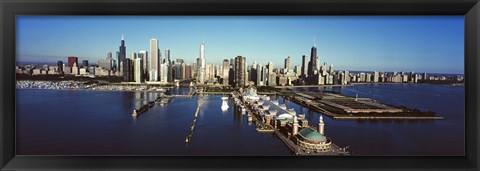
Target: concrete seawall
390,117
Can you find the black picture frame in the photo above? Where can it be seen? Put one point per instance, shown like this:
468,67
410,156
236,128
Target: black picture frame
10,8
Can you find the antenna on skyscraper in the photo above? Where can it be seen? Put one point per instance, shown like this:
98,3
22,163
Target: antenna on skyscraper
314,44
122,37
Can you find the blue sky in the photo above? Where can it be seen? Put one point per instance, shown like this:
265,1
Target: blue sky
383,43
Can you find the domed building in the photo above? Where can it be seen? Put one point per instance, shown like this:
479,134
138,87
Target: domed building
312,140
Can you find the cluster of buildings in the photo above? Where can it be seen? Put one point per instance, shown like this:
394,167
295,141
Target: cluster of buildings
24,84
152,67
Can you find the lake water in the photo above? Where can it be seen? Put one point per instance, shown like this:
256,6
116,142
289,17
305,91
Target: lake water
78,122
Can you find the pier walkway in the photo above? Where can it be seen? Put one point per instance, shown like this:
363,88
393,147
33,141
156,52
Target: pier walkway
294,148
189,136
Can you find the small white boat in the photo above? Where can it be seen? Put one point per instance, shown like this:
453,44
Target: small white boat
134,114
224,103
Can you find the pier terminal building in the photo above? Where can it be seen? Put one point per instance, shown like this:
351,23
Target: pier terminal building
293,126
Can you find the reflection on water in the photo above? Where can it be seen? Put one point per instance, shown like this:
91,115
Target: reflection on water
100,123
66,122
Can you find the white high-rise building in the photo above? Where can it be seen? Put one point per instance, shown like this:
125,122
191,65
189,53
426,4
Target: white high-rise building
163,73
271,76
318,65
75,69
138,67
259,74
226,70
202,64
208,72
133,56
154,60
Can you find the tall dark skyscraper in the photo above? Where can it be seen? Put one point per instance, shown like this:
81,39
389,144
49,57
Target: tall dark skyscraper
122,52
60,67
170,76
240,71
287,63
313,60
85,63
128,74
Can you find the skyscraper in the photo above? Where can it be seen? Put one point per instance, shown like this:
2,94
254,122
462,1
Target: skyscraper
209,72
201,64
109,55
75,70
128,71
154,60
183,71
144,56
376,76
105,63
60,67
118,66
138,70
330,71
169,66
226,68
304,66
240,71
287,63
72,60
178,69
313,60
347,77
264,75
259,74
122,51
133,56
271,76
318,65
85,64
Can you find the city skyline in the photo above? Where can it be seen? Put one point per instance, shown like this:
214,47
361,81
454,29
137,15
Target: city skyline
425,44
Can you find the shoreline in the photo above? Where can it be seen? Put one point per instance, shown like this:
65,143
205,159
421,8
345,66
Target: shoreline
85,89
281,87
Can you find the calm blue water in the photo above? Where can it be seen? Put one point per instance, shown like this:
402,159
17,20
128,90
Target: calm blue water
64,122
67,122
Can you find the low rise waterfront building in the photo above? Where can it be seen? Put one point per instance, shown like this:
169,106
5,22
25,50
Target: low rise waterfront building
292,128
